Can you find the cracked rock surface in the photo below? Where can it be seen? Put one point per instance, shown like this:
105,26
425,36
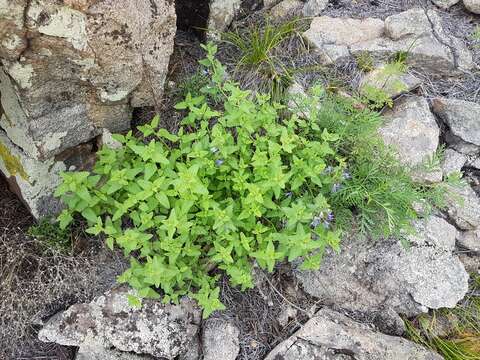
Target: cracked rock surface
110,322
417,31
332,335
383,275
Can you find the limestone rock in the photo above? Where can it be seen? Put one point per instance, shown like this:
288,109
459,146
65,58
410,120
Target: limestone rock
71,68
35,181
222,13
453,161
472,5
314,7
416,31
98,353
392,84
461,117
109,321
330,334
445,4
381,276
286,8
412,130
463,207
220,340
470,240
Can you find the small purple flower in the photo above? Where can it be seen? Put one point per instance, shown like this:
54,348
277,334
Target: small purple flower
316,221
346,175
219,162
336,187
288,194
330,217
328,170
213,149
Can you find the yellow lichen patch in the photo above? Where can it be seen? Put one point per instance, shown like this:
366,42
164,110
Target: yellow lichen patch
12,163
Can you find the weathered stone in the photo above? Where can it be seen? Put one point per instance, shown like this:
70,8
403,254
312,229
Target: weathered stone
445,4
412,130
463,207
222,13
417,32
12,32
472,5
470,240
87,64
220,340
286,8
268,4
33,180
100,353
392,84
453,161
314,7
435,232
109,321
332,335
377,276
461,117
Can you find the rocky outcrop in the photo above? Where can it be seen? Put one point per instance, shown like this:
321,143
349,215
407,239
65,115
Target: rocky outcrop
412,130
417,32
387,278
110,322
220,340
71,68
332,335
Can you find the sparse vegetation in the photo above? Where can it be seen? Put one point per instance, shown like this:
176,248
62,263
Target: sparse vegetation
453,333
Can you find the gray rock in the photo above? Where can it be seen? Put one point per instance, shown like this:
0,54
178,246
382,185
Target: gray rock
268,4
222,13
472,5
109,321
417,32
470,240
412,130
68,69
445,4
99,353
453,161
314,7
379,276
220,340
461,117
286,8
435,232
463,207
332,335
474,163
392,84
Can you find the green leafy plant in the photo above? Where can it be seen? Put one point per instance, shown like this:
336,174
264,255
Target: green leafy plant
365,61
48,232
241,183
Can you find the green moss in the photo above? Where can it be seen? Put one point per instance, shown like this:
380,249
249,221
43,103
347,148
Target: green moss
12,163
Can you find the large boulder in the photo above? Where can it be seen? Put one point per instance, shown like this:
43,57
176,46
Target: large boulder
416,32
387,278
411,129
109,321
70,68
332,335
